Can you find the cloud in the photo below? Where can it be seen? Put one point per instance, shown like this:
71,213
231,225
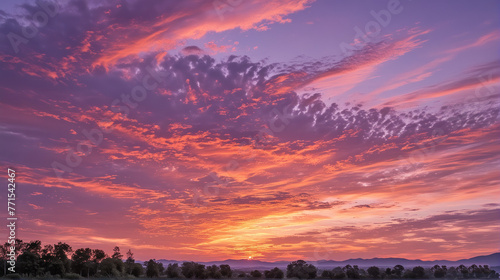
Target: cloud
481,41
426,70
479,79
413,76
36,207
219,49
342,75
191,50
234,140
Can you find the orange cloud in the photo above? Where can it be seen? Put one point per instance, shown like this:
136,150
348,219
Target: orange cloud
167,33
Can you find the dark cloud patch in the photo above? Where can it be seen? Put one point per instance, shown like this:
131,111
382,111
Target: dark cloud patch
313,205
192,50
279,197
491,205
362,206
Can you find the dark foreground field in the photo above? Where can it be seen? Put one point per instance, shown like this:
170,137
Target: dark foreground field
165,278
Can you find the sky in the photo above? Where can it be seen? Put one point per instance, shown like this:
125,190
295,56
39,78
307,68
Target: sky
276,130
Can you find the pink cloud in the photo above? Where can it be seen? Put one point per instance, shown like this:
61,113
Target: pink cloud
219,48
167,32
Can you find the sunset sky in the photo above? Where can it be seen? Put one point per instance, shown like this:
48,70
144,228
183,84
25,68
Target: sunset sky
279,130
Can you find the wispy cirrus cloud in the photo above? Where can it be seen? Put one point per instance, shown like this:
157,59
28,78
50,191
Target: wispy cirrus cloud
479,78
348,71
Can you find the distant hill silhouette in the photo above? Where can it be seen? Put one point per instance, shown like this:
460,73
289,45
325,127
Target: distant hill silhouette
492,260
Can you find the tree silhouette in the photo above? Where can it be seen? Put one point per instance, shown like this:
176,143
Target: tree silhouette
61,251
388,273
226,271
153,268
351,272
438,271
474,271
98,255
398,270
301,270
174,271
34,261
137,270
452,273
373,271
193,270
112,267
338,273
188,269
130,255
275,273
129,263
256,274
418,272
326,274
34,247
199,271
52,264
29,263
213,272
81,261
116,253
463,269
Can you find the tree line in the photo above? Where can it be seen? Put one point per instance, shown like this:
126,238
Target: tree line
61,260
418,272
